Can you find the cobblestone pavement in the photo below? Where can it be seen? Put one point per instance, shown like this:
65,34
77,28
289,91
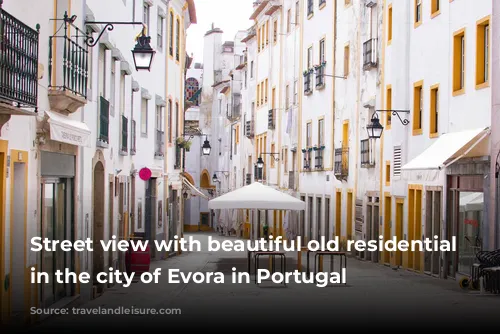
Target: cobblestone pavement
374,296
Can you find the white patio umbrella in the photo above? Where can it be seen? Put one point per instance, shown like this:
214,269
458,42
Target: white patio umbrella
256,196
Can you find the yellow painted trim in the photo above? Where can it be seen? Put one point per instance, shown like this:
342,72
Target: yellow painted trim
310,16
457,92
338,190
433,15
432,88
389,24
399,200
416,23
382,94
19,157
387,173
418,85
171,34
479,53
347,3
388,115
415,187
4,313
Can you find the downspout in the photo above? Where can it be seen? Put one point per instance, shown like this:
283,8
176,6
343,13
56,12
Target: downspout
231,123
301,87
334,63
356,130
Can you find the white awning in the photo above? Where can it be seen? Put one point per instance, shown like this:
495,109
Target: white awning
449,148
67,130
194,190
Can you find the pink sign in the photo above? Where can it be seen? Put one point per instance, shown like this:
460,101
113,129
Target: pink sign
145,174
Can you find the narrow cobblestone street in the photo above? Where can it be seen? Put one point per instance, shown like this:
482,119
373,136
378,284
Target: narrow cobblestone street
373,293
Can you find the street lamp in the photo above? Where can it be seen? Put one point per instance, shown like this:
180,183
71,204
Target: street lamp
260,163
215,179
206,148
374,129
143,53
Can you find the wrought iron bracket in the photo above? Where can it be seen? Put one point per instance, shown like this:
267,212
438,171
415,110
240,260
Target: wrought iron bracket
273,155
109,26
335,76
395,113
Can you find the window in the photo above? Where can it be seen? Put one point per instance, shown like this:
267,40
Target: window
267,32
266,90
322,51
258,38
258,95
347,2
309,57
112,86
177,39
346,60
177,118
144,117
365,152
389,24
171,42
482,53
159,37
251,69
160,135
434,119
435,7
459,62
309,135
145,14
169,112
122,93
321,132
418,13
310,7
132,125
275,31
417,107
297,13
387,173
388,103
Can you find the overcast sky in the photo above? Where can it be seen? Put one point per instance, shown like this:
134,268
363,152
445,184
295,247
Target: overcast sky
229,15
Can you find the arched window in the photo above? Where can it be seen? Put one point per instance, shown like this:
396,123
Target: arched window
205,180
192,87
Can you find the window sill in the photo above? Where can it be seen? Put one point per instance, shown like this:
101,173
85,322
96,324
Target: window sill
323,5
417,24
387,184
483,85
348,5
123,152
436,13
320,87
310,16
389,42
144,135
417,132
433,135
459,92
102,144
388,127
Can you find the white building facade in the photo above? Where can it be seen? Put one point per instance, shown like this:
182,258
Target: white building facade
95,159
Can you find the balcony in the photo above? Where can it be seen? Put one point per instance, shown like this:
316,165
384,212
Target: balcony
178,156
160,144
271,119
308,82
307,160
320,77
235,113
103,136
251,33
249,129
124,137
248,179
68,71
370,54
18,68
318,159
341,168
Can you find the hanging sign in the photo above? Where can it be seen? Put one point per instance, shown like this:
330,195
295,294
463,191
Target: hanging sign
145,174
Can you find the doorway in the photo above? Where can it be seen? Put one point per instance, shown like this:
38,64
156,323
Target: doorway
398,230
98,233
414,225
204,220
56,224
387,225
372,225
432,263
150,218
18,226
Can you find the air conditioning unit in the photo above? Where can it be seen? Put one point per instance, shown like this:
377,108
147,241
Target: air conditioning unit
370,3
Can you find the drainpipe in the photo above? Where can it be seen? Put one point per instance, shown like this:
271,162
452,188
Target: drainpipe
231,125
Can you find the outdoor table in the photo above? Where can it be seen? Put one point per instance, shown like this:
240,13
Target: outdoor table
319,255
272,255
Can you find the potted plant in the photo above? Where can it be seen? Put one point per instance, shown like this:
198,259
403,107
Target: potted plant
322,147
185,144
304,150
315,148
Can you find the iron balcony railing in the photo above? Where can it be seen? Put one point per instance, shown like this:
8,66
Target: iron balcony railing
291,180
365,153
124,143
104,120
249,133
74,62
248,179
271,119
18,61
320,76
307,160
307,82
159,143
133,137
341,168
318,159
235,113
178,157
370,54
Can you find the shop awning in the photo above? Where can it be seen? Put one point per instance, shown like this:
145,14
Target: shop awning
194,190
449,148
67,130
